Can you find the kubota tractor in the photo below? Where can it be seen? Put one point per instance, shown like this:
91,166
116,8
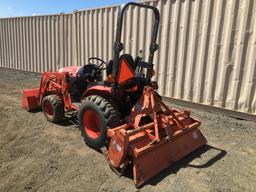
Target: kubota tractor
122,115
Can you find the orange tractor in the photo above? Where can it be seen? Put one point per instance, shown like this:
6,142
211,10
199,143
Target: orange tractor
122,115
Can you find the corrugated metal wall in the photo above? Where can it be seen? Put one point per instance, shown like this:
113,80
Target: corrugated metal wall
207,49
36,43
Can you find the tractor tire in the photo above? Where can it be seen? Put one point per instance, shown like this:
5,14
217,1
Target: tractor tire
53,108
95,116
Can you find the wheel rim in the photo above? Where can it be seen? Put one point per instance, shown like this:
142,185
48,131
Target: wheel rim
91,123
48,109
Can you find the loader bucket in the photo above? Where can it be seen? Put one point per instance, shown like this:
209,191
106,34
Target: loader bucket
153,146
29,99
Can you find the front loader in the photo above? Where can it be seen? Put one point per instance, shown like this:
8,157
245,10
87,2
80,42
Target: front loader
123,116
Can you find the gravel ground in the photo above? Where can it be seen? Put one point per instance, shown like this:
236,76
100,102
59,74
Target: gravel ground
36,155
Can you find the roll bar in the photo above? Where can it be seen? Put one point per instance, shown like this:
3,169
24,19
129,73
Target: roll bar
118,46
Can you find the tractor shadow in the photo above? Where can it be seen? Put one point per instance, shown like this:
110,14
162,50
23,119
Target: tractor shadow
35,111
69,121
208,160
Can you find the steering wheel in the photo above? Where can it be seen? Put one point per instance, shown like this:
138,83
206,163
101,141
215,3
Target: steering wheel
100,65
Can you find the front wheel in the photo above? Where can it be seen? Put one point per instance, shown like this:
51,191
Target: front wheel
95,116
53,108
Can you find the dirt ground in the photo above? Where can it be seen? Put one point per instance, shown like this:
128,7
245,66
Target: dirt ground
36,155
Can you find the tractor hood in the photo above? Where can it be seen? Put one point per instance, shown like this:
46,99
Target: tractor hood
71,69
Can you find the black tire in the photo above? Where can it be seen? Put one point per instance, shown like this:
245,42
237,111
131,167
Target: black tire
107,117
56,112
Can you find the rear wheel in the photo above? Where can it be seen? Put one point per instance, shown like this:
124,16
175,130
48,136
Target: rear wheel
95,116
53,108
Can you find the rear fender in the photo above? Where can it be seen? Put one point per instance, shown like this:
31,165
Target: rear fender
101,90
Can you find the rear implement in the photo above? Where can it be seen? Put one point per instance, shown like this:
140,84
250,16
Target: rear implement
156,144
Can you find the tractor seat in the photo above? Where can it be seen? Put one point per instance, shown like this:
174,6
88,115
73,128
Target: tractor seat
87,72
79,84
